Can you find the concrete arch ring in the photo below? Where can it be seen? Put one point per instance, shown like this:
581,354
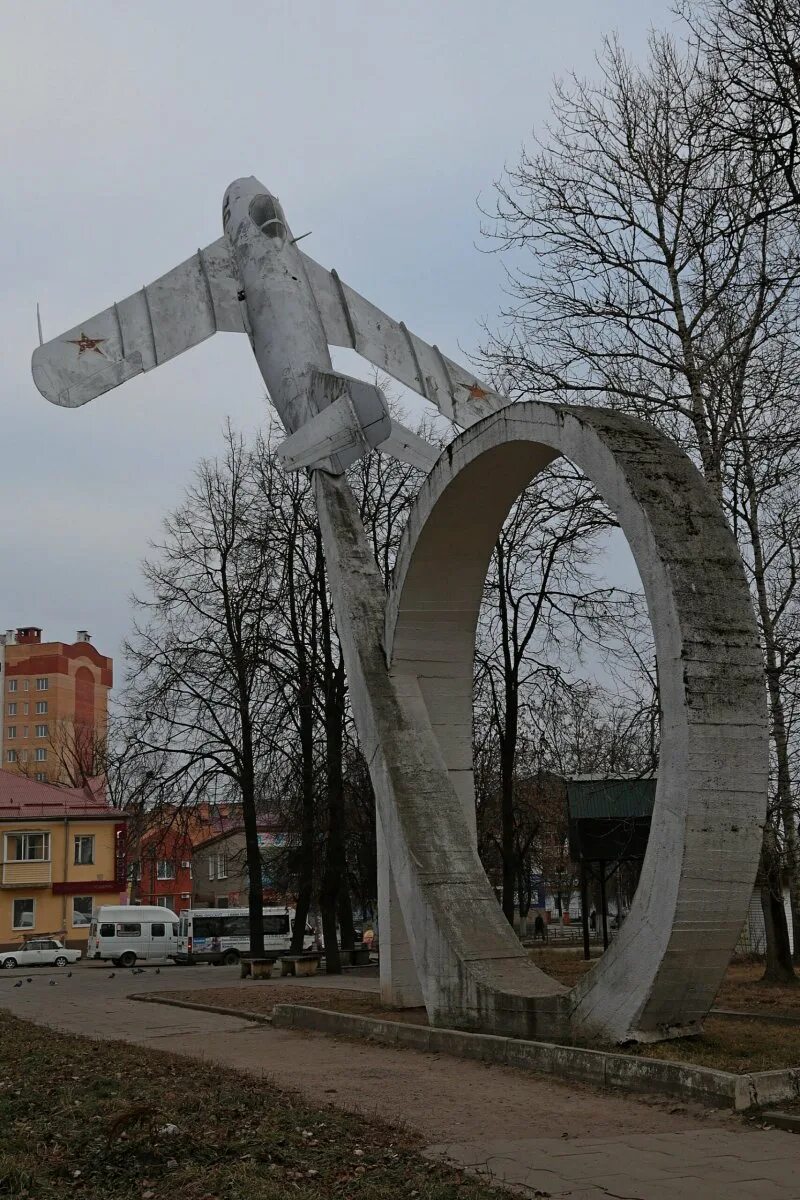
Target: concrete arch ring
662,971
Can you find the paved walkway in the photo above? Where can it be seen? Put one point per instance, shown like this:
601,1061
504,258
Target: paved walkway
700,1164
537,1135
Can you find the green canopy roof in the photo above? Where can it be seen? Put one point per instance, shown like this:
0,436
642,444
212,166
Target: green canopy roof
610,799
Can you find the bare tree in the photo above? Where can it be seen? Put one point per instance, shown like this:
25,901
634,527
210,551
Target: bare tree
640,278
753,48
198,692
542,600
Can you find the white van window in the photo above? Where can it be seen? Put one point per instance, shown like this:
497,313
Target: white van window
129,930
107,929
158,930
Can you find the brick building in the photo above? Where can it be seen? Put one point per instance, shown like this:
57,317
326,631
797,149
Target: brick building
163,872
55,706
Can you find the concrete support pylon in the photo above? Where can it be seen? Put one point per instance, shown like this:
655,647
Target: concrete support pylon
400,986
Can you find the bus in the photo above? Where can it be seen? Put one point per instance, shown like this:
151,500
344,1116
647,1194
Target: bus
222,935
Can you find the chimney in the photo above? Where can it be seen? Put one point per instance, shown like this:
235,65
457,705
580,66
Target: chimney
83,635
10,639
29,635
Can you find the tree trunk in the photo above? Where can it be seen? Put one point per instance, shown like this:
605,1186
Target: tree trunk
327,905
255,889
785,806
306,661
335,872
779,967
507,825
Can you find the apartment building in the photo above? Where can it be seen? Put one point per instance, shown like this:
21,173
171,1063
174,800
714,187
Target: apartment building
63,855
55,706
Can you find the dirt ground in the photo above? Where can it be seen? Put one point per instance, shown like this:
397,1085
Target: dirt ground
256,998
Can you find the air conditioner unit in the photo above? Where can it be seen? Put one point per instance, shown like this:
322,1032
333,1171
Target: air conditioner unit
185,865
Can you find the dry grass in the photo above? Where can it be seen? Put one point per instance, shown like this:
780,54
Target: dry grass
742,988
256,997
88,1119
732,1045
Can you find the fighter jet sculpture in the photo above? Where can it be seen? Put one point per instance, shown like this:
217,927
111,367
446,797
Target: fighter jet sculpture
255,280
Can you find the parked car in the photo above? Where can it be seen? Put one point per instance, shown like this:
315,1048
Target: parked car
39,952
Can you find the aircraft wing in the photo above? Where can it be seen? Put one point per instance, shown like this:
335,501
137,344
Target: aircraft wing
354,322
176,312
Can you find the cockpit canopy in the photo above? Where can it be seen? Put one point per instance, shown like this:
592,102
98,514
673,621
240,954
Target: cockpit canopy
265,212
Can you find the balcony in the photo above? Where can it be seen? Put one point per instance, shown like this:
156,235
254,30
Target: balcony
27,874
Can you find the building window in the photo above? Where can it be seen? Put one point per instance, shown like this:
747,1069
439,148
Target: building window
41,777
41,731
41,754
164,901
41,707
25,708
84,849
11,756
12,685
24,731
25,685
42,685
27,847
24,914
82,910
217,866
12,709
165,869
11,731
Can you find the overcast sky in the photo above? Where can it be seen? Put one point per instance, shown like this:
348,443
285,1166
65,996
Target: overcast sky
379,124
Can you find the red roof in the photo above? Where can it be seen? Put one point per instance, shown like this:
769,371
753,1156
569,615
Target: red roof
28,798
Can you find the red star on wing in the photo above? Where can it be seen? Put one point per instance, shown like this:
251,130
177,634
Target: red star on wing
87,343
476,392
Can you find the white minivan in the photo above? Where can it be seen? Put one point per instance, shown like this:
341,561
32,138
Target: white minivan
126,933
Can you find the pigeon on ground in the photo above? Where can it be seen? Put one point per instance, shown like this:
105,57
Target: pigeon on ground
69,974
29,980
158,970
111,976
18,984
52,983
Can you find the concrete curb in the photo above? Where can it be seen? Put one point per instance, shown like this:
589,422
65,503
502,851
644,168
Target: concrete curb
259,1018
653,1076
